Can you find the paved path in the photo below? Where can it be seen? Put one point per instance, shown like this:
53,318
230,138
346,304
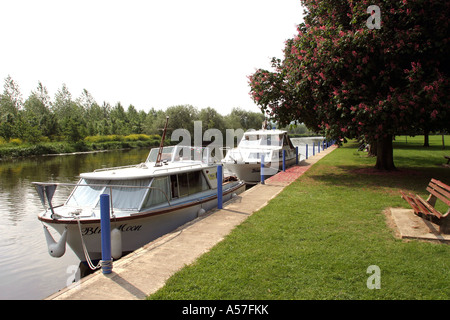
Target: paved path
146,270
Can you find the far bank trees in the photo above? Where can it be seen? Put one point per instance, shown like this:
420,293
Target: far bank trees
72,119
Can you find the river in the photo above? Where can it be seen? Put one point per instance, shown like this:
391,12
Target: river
27,271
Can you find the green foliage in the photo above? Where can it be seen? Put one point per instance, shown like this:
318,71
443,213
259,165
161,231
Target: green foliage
84,124
345,80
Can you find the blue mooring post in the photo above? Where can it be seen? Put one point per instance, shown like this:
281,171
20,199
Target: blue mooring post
262,169
284,160
296,155
306,151
105,226
219,187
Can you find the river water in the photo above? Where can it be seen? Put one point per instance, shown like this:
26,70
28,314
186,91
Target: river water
27,271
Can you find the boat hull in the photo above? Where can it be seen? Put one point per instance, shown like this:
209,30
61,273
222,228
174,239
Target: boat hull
251,172
137,229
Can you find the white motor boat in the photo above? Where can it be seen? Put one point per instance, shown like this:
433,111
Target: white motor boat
245,160
174,186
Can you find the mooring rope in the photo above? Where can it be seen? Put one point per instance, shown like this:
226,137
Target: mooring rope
86,253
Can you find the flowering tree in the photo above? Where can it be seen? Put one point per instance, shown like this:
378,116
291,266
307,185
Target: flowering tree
348,79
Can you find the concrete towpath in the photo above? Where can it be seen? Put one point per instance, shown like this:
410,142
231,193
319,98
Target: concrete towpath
146,270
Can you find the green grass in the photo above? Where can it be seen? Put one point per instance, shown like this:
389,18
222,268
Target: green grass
317,238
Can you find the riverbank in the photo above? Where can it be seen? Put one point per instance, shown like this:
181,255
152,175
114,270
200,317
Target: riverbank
321,237
90,144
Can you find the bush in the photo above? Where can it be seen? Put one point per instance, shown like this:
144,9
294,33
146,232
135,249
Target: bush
99,139
15,141
137,137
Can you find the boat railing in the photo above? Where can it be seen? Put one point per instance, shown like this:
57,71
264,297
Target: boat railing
141,165
43,190
178,168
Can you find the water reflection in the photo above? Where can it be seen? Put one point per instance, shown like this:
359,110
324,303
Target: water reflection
26,269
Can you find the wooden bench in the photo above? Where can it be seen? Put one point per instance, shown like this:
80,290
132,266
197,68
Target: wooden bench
427,208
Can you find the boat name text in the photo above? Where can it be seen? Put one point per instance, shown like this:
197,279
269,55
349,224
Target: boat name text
123,227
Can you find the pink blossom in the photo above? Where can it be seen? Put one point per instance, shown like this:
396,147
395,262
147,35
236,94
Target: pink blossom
434,113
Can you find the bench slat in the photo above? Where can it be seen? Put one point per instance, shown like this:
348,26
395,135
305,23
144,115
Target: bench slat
426,206
438,195
439,192
441,184
412,203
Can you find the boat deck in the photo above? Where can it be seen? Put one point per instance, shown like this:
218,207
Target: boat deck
146,270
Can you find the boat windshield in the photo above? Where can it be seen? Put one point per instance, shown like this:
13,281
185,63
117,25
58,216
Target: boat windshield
181,153
125,194
257,155
165,156
253,140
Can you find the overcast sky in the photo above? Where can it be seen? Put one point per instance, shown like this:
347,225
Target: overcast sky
144,52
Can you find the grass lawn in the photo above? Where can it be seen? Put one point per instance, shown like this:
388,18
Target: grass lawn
318,237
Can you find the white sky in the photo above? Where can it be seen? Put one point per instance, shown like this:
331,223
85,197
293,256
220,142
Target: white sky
145,52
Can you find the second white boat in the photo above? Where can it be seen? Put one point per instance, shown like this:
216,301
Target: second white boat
245,160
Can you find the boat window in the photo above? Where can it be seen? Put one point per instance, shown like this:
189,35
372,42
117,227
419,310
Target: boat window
250,140
166,154
288,142
197,182
257,155
183,183
271,140
127,194
159,193
87,193
174,186
188,183
189,153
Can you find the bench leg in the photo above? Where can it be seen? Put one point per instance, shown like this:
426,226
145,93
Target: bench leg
444,226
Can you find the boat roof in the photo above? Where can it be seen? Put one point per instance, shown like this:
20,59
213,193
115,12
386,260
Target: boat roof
144,170
148,169
265,131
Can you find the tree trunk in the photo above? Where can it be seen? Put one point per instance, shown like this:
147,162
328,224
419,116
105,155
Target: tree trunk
372,148
385,154
426,139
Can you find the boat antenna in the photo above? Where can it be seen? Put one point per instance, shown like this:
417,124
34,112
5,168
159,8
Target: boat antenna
161,145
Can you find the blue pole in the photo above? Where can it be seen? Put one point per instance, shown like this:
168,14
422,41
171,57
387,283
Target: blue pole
296,155
105,226
219,187
318,147
306,151
284,160
262,169
314,148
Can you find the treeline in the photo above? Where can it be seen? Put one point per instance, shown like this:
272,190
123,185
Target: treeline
63,118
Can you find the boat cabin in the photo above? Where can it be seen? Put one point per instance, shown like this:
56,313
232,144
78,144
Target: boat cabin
182,173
